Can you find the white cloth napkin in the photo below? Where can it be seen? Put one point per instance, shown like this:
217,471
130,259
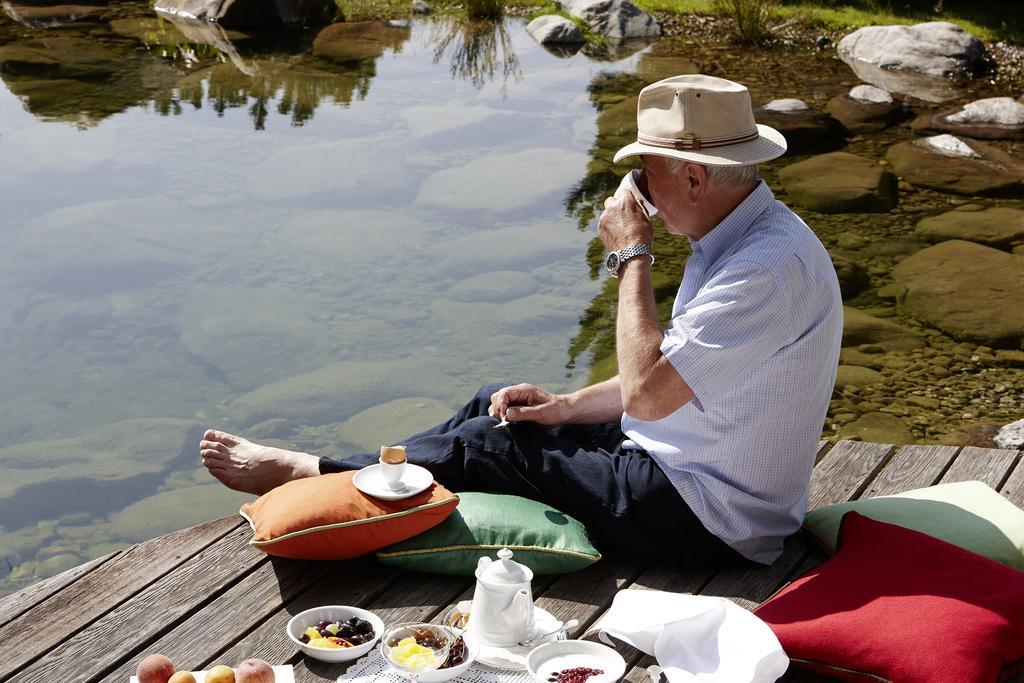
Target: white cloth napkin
695,638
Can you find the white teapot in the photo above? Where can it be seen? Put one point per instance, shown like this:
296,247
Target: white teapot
502,612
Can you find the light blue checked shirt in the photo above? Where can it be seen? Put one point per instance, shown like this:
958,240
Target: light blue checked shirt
755,332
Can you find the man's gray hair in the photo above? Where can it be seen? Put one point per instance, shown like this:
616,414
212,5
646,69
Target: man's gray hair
723,176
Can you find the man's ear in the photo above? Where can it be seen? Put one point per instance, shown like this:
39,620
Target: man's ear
696,177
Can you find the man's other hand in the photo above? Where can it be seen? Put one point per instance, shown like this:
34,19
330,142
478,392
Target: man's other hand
527,403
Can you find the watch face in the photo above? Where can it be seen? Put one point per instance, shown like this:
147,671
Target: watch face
612,262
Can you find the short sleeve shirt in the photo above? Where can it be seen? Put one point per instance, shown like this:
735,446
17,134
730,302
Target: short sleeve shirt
755,332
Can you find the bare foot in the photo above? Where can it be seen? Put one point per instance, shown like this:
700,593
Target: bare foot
245,466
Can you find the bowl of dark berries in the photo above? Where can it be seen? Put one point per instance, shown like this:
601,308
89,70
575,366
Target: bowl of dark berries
575,661
335,633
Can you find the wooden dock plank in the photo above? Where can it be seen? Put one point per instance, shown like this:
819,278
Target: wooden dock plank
989,465
585,594
44,626
14,605
912,467
226,618
846,470
1013,489
100,647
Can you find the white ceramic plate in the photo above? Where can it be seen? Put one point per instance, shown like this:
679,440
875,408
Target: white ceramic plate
547,660
415,480
282,674
515,657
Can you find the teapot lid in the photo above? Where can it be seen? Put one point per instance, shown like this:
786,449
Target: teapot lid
505,571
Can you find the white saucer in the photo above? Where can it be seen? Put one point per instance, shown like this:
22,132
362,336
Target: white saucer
415,480
515,657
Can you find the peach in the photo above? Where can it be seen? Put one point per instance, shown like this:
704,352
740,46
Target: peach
182,677
220,674
155,668
254,671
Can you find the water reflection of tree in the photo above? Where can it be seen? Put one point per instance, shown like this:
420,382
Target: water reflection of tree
291,89
480,49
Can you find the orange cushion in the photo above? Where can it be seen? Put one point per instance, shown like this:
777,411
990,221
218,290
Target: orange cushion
328,518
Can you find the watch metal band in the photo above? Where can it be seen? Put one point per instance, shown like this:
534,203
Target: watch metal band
628,253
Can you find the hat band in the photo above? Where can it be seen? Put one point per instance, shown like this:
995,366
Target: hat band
691,141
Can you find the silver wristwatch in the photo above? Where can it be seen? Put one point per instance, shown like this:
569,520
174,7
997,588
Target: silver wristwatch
617,258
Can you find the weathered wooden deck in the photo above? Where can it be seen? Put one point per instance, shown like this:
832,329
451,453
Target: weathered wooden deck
202,596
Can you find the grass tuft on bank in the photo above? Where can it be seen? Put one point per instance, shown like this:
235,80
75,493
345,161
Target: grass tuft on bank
991,21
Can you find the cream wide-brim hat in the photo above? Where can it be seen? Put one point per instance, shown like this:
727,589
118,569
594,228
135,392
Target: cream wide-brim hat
702,119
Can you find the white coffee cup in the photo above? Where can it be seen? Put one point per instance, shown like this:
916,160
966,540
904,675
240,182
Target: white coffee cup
392,465
630,183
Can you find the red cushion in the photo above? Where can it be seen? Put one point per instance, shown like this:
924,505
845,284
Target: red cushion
894,604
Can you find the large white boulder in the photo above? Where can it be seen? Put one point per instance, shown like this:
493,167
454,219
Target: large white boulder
619,20
935,48
916,60
554,29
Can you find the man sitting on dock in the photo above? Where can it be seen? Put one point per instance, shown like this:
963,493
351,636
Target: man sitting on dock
700,450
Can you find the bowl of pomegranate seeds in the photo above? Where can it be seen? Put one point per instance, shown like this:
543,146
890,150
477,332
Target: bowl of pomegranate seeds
575,661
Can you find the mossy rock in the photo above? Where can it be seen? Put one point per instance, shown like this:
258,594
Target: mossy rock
977,169
878,428
840,182
856,376
863,328
969,291
1001,227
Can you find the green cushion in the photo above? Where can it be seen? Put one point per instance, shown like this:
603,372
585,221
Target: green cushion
968,514
544,539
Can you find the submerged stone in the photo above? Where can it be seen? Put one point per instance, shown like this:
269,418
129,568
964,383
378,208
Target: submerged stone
951,164
359,40
969,291
505,182
803,126
106,467
853,277
337,391
866,109
840,182
390,423
169,511
878,428
1001,227
856,376
863,328
992,118
60,56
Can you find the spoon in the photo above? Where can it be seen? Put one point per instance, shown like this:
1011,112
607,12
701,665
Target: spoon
564,626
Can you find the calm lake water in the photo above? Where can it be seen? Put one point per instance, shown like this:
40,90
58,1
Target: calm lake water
322,246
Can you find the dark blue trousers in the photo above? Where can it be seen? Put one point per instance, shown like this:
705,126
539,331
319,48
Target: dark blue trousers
621,495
